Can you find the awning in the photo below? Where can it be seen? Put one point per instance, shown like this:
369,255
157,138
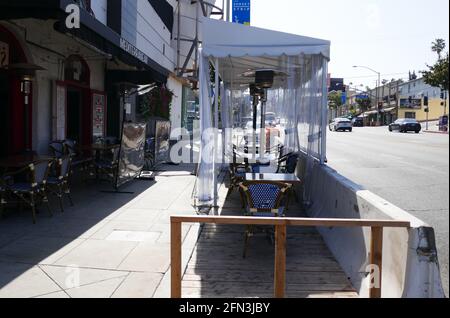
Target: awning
134,77
372,112
387,110
222,39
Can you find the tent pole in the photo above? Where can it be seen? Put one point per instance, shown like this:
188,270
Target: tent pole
323,155
216,131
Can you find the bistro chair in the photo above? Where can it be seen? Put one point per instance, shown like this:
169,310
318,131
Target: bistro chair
57,149
108,166
288,163
3,201
237,172
78,158
35,186
263,199
59,183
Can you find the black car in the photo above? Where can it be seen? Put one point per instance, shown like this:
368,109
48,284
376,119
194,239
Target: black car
405,125
358,122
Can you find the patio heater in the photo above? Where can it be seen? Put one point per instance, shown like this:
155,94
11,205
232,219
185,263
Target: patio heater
26,73
263,81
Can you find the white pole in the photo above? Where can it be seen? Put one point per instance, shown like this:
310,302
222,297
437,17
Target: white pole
216,132
323,155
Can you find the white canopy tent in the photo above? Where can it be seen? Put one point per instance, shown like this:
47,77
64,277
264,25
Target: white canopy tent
298,95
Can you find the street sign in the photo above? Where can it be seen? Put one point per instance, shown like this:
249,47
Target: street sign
241,11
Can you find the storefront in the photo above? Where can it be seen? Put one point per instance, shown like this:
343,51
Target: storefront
78,92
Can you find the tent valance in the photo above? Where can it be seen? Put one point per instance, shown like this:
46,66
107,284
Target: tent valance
222,39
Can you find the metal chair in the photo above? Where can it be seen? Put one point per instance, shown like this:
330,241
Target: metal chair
59,183
108,166
34,188
263,199
78,158
237,172
288,163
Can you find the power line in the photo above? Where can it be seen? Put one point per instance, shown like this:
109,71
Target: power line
370,76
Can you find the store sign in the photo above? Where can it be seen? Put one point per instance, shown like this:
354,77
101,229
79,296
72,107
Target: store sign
4,54
241,11
130,48
98,107
415,103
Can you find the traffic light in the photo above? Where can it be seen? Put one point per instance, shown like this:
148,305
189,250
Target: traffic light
427,110
425,101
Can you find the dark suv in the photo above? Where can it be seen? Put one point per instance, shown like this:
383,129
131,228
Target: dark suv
358,122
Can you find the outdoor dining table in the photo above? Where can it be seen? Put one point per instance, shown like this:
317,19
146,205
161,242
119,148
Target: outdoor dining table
289,178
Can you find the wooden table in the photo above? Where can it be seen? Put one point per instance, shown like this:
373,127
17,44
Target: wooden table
274,177
19,161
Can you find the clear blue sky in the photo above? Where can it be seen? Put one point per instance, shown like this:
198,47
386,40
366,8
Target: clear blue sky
390,36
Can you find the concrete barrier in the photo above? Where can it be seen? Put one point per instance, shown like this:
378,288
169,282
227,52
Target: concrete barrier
410,262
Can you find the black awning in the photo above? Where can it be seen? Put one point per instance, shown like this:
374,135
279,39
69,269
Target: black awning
135,77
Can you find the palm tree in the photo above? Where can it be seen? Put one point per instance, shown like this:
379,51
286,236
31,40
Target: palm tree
438,46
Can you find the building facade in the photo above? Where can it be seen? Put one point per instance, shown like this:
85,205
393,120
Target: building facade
412,96
84,80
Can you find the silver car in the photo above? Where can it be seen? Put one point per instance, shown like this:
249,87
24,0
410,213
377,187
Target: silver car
341,124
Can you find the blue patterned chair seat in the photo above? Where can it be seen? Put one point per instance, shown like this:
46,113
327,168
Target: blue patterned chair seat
20,187
264,196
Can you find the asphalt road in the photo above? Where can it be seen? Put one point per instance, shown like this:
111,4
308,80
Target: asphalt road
409,170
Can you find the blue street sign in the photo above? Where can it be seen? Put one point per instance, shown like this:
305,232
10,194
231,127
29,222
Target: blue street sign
241,11
344,98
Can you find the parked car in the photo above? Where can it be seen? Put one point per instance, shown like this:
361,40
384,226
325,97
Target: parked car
342,124
358,122
404,125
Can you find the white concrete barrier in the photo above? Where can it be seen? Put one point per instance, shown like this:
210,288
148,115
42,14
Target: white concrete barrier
410,262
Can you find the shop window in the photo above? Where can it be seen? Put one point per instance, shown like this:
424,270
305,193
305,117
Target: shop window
410,115
76,70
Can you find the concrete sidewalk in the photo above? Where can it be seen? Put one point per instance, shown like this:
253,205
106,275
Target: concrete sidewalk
107,245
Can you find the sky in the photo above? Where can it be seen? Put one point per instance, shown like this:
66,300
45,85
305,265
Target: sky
389,36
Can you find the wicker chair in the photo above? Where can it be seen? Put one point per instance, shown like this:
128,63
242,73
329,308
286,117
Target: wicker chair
35,186
59,183
263,199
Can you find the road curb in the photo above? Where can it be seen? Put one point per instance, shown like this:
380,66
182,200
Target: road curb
436,132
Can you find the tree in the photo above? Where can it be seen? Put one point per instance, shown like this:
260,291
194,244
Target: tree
437,74
438,46
335,99
363,104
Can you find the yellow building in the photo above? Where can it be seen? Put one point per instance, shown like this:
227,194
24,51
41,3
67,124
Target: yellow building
436,110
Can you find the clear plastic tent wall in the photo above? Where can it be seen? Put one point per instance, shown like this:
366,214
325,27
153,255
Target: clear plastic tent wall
297,100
